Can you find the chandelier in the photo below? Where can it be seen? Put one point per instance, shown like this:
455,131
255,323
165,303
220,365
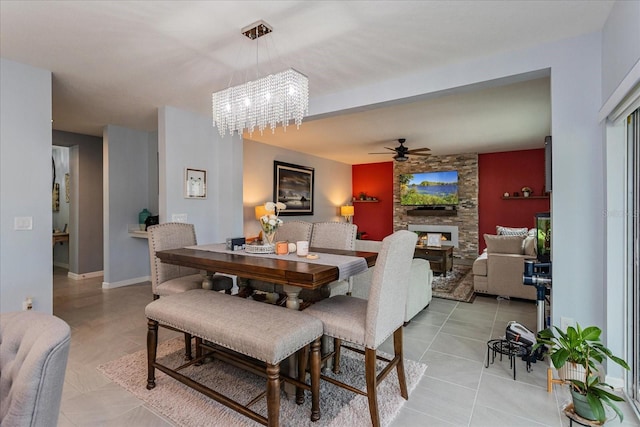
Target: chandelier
265,102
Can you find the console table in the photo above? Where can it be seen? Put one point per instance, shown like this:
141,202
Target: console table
440,259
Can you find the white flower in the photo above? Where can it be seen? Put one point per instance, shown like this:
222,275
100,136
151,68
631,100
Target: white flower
270,206
272,222
281,206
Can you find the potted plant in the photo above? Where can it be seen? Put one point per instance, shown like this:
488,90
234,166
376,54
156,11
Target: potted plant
583,347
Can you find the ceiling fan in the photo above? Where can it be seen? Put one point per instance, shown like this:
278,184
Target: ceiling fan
402,151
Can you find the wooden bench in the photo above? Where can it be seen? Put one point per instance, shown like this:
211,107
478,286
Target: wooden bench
252,335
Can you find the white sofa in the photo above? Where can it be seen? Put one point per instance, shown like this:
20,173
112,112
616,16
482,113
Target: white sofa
419,295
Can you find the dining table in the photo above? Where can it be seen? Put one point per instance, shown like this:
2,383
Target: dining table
292,272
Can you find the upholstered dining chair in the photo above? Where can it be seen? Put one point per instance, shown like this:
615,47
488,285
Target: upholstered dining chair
291,231
34,348
331,235
167,279
368,323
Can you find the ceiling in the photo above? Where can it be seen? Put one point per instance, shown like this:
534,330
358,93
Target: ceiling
116,62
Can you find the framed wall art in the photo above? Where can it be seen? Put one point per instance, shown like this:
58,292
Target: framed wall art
293,186
195,184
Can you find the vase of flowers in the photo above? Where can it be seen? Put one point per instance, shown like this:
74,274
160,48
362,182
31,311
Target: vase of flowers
270,221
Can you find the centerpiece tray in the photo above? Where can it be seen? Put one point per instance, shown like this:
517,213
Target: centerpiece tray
259,249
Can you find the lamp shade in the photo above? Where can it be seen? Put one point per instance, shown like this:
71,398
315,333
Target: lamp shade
346,211
261,211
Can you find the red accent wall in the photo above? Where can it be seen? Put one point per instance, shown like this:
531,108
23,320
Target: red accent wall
509,172
375,179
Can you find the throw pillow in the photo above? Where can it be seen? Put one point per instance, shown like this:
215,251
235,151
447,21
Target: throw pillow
503,244
510,231
529,245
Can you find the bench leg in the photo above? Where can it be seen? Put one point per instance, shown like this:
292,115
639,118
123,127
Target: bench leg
273,395
316,358
152,345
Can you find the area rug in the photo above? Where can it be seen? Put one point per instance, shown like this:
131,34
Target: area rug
456,285
187,407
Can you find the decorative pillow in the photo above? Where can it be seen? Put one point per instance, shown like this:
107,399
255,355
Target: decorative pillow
529,245
503,244
509,231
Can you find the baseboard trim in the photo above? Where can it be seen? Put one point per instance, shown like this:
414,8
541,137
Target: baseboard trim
134,281
81,276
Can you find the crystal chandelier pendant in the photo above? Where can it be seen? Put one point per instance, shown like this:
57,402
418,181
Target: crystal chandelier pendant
276,99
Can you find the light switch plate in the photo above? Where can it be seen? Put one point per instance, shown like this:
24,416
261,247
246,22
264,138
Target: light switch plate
23,223
179,217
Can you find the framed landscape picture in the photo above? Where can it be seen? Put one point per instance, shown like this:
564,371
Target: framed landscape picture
293,186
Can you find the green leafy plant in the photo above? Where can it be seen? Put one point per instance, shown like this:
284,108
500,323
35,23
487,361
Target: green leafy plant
583,347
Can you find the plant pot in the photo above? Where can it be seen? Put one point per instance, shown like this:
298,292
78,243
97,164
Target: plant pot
571,371
581,406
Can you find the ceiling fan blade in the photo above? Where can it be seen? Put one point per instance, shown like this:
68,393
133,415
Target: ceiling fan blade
392,149
420,154
417,150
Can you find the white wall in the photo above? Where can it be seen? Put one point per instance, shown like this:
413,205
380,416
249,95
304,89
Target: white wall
25,186
620,59
332,186
188,140
126,193
620,45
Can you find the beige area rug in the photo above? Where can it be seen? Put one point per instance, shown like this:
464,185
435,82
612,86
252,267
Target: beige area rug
457,285
187,407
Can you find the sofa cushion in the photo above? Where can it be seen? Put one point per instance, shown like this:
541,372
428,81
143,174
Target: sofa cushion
503,244
529,245
510,231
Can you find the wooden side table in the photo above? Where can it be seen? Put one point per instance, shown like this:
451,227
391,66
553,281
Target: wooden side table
440,258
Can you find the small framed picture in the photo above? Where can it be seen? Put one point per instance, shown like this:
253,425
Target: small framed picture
195,185
434,239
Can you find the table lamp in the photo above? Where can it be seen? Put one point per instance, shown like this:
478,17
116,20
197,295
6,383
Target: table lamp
347,212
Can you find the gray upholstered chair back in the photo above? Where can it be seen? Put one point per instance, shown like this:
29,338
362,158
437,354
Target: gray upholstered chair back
334,235
34,348
294,231
170,235
389,286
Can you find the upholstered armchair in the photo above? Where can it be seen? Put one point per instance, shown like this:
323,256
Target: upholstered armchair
34,348
368,323
167,279
291,231
331,235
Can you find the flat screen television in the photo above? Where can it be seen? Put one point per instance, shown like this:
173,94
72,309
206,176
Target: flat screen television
429,189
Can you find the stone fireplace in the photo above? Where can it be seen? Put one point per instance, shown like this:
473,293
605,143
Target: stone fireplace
464,220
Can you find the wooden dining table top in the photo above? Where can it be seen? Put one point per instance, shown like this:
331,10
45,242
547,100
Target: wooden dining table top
281,271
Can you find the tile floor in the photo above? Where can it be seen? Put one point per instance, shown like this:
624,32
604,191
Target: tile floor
450,337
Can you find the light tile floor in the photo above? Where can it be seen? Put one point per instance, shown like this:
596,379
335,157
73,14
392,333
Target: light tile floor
450,337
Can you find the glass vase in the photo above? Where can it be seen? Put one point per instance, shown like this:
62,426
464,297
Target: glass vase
268,237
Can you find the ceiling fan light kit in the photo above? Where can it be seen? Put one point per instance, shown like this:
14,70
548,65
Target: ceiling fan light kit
266,102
